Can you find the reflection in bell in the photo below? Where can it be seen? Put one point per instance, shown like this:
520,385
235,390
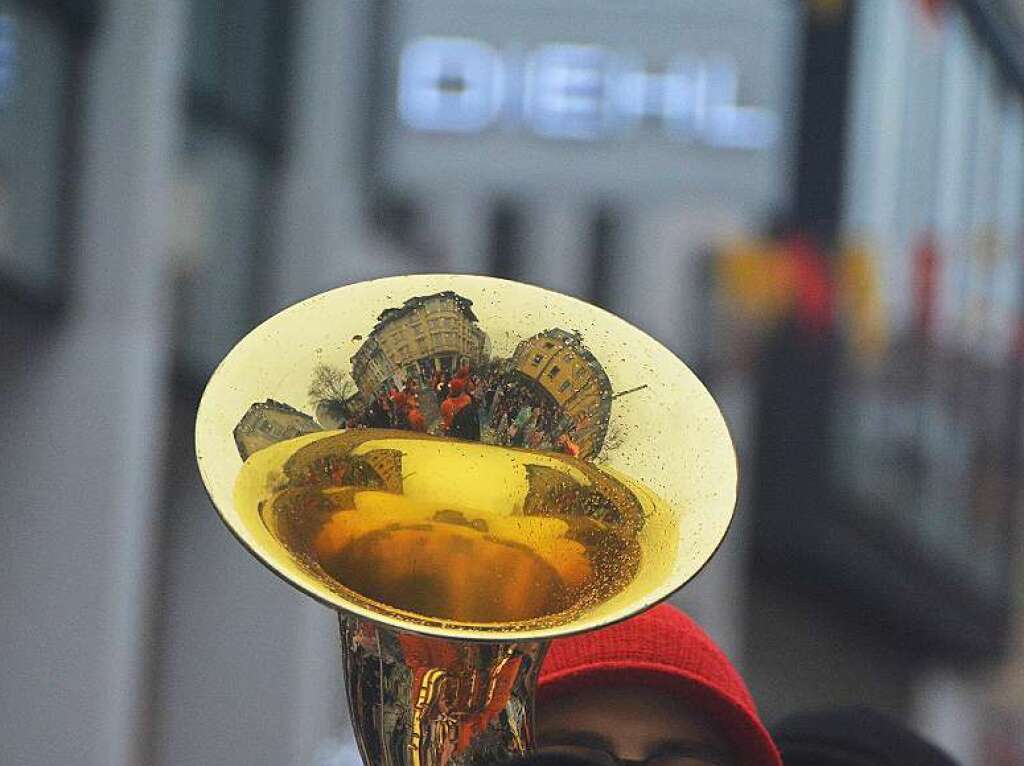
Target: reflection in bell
595,476
445,530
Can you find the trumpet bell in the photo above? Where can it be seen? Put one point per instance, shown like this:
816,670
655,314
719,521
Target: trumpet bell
466,458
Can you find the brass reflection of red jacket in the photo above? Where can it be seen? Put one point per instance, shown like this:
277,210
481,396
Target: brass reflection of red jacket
471,697
494,699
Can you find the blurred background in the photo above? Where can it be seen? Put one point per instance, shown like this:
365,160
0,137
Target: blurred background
816,204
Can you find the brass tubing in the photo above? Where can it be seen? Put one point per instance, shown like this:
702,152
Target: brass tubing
419,700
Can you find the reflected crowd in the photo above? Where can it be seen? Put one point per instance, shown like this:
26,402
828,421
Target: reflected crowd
472,405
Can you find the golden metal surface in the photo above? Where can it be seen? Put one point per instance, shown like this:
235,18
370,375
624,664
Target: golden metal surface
420,700
582,475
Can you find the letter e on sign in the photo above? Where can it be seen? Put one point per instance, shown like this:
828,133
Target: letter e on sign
567,91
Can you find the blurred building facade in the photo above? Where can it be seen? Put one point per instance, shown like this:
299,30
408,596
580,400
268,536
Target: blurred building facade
894,378
171,173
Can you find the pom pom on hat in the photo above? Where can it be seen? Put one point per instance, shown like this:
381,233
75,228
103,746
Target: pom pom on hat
665,649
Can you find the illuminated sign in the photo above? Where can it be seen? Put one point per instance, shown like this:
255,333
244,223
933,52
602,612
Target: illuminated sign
571,91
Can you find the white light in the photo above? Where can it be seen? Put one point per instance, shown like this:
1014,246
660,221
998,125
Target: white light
741,127
722,122
566,92
582,92
449,84
669,97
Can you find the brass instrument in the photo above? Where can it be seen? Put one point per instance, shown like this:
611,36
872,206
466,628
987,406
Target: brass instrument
464,468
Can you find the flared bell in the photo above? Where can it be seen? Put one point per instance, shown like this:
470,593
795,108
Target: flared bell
464,459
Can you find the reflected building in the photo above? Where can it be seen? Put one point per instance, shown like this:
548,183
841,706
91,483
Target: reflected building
269,422
544,483
565,369
387,463
329,462
552,492
427,334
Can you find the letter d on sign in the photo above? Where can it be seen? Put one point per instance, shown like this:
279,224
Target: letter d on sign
449,84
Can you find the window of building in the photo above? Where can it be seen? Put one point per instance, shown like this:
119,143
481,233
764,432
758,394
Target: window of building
537,359
507,241
566,385
554,371
41,48
603,246
236,69
548,344
234,92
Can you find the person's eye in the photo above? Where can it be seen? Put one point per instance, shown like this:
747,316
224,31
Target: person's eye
568,755
678,759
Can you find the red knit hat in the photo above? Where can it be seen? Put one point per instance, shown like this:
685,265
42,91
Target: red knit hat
666,649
